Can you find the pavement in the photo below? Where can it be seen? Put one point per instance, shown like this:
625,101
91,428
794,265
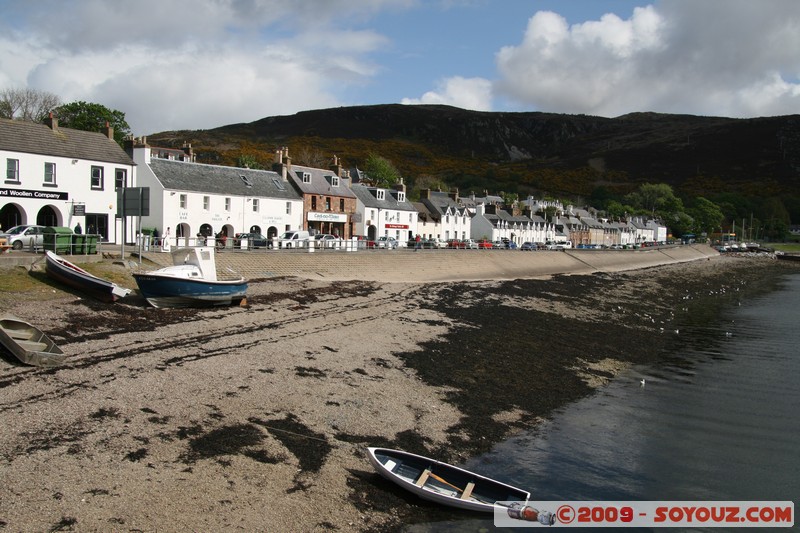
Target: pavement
400,265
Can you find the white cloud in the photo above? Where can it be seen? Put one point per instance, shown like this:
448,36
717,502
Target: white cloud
466,93
714,57
172,64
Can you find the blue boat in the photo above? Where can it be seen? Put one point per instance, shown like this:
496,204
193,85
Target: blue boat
190,282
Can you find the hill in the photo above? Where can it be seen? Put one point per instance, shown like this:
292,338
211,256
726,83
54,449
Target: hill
575,156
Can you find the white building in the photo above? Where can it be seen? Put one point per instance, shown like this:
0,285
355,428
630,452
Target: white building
442,216
493,223
192,199
62,177
384,213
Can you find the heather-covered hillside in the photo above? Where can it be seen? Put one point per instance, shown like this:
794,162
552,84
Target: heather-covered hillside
570,156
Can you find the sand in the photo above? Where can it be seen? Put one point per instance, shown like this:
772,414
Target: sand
255,418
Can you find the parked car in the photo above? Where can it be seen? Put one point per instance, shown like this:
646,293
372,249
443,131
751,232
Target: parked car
485,245
470,244
438,243
456,243
566,245
24,236
325,240
529,247
251,240
294,239
390,243
365,242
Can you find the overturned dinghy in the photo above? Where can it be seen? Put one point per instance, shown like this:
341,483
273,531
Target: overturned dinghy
74,276
28,343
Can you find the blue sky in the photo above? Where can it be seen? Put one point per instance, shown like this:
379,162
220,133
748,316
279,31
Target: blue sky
196,64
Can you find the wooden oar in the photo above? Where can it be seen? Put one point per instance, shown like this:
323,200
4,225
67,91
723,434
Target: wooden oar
437,478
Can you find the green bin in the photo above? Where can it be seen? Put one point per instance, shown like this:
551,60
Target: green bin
79,244
91,244
57,239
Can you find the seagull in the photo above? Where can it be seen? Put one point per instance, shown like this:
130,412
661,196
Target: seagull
641,382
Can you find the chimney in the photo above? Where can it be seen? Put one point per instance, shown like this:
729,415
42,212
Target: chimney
424,194
336,166
283,163
454,194
187,149
108,131
400,186
52,122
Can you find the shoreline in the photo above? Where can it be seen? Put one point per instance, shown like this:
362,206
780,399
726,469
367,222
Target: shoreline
256,417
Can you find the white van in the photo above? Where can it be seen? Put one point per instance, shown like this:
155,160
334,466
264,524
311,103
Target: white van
294,239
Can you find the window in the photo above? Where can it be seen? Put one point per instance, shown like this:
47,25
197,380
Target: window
313,203
120,178
49,173
246,180
206,203
278,184
255,205
341,205
401,196
288,208
306,177
327,204
12,169
97,178
183,201
227,204
334,181
380,194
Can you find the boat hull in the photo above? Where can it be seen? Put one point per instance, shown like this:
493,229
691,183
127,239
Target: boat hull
443,483
28,343
63,271
169,291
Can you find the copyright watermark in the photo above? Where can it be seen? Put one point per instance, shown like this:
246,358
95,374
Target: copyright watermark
645,514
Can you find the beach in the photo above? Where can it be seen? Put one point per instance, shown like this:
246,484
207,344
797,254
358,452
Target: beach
256,417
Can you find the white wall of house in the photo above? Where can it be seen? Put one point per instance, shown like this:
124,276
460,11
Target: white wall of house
387,222
65,184
185,212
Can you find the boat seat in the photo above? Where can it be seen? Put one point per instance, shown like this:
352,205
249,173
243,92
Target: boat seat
423,477
19,334
468,491
32,346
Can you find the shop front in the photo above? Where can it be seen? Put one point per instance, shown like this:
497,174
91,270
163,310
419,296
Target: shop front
330,223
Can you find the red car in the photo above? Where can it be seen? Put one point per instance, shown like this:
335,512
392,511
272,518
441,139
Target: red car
455,243
485,245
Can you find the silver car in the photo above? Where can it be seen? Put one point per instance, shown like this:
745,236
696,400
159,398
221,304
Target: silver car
24,236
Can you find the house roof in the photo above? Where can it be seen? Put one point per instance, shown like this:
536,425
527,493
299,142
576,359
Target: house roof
31,138
214,179
367,196
320,183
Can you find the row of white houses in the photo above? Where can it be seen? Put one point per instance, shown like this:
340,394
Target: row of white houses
62,177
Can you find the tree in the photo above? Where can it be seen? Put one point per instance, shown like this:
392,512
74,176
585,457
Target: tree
93,117
381,171
27,104
707,215
248,161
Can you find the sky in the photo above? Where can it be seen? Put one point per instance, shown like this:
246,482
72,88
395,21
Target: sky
201,64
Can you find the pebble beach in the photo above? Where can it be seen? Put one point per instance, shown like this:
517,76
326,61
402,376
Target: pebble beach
256,418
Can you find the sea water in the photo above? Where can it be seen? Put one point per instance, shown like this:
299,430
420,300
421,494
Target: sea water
720,421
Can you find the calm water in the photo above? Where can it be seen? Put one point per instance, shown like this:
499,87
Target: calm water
720,423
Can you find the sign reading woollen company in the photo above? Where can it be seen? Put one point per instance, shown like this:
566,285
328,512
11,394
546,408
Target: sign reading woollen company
35,195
